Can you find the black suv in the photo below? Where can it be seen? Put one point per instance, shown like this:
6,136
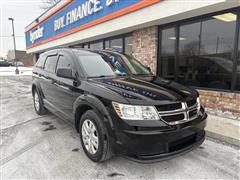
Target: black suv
117,105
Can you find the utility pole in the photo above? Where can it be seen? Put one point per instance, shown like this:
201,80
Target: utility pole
14,43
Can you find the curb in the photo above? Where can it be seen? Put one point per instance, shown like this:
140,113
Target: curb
226,139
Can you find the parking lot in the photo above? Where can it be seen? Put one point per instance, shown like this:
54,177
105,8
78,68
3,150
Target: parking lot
35,146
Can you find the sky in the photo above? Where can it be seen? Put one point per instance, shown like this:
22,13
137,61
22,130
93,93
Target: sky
23,12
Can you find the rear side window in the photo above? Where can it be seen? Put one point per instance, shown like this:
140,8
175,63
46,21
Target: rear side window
40,62
50,64
63,62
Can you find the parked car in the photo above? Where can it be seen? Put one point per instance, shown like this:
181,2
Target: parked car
4,63
117,105
19,64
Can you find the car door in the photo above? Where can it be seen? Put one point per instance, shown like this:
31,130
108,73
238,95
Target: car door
63,95
48,76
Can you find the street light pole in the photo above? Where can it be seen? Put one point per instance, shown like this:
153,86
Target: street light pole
14,43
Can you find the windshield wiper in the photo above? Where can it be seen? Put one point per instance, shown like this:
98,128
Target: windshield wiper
101,76
143,74
122,75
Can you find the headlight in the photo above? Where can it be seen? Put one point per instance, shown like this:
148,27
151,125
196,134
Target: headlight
130,112
198,104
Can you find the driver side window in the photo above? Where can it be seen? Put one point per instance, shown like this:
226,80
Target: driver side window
63,62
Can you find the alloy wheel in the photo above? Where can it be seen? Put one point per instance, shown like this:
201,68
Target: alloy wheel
90,136
36,101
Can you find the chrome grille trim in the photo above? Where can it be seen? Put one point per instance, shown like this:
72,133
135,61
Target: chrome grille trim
185,110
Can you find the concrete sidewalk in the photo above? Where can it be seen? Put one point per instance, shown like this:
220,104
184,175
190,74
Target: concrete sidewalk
223,128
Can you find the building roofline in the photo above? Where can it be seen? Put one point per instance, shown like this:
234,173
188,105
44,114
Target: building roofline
52,10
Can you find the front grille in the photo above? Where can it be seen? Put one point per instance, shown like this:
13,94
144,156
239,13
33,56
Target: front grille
172,118
169,107
191,103
193,113
177,113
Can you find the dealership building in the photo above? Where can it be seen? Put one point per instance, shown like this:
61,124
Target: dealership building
194,42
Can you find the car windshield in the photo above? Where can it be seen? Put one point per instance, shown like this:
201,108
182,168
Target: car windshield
111,64
135,66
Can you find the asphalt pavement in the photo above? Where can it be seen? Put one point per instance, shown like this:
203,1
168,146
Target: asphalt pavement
46,147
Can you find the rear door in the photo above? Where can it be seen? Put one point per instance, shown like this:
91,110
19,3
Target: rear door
48,77
38,72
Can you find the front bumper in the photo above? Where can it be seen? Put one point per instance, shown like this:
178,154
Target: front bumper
186,147
153,145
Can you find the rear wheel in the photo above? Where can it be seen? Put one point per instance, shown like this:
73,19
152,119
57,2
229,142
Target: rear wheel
94,137
38,103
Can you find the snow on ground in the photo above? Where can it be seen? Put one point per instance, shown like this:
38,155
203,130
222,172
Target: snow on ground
31,149
10,71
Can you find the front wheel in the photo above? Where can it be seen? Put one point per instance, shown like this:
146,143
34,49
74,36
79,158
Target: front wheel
94,137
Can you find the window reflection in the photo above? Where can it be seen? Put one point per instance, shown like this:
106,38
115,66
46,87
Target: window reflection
189,51
85,46
238,66
96,45
216,58
128,45
205,57
116,44
168,53
205,52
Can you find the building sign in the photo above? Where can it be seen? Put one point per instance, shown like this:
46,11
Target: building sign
76,15
36,34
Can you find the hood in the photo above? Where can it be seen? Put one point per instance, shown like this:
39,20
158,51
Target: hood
151,88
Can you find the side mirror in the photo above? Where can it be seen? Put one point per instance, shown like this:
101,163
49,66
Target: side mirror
149,68
65,73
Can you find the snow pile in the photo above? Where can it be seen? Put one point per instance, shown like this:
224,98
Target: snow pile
10,71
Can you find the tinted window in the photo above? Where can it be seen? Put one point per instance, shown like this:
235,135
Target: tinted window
128,45
110,64
50,64
167,58
238,65
85,46
189,51
135,66
205,57
40,62
95,65
63,62
215,64
97,45
116,44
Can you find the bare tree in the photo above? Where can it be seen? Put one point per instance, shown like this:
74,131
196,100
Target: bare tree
46,4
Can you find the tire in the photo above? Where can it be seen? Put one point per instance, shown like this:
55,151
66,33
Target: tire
38,103
102,151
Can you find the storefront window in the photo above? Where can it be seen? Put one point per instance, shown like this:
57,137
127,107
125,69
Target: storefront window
238,65
128,45
189,51
167,58
205,52
96,45
116,44
215,64
85,46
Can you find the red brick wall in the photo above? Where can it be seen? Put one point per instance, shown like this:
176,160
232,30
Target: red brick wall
222,101
145,46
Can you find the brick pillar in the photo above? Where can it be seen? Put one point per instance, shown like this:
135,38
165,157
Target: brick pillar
145,46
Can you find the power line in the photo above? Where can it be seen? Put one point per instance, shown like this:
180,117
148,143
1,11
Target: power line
11,36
